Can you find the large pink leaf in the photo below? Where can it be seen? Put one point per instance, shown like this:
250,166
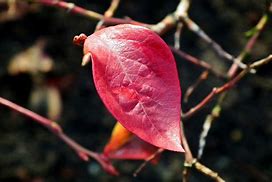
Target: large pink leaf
136,77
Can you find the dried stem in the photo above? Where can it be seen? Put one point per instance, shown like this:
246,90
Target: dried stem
82,152
188,155
207,171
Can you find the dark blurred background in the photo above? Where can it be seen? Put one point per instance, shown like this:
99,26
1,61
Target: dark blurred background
239,145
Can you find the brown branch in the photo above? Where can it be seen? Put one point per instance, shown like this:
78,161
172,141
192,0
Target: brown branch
114,5
226,86
71,7
108,14
196,29
191,162
197,62
177,36
204,75
52,126
147,160
250,44
171,20
207,125
188,155
231,73
207,171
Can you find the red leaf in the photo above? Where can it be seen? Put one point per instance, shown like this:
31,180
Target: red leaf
136,77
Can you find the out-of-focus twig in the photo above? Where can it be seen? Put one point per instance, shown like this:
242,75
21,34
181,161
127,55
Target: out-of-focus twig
178,35
114,5
52,126
108,14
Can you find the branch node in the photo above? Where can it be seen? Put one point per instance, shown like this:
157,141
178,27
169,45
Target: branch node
190,164
56,127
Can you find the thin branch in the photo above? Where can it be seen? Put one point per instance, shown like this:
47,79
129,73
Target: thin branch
207,171
207,125
188,155
218,49
73,8
70,7
250,44
191,162
171,20
204,75
147,160
114,5
52,126
197,62
231,73
108,14
226,86
177,35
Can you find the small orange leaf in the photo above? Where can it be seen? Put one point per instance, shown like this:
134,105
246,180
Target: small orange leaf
125,145
134,149
119,137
